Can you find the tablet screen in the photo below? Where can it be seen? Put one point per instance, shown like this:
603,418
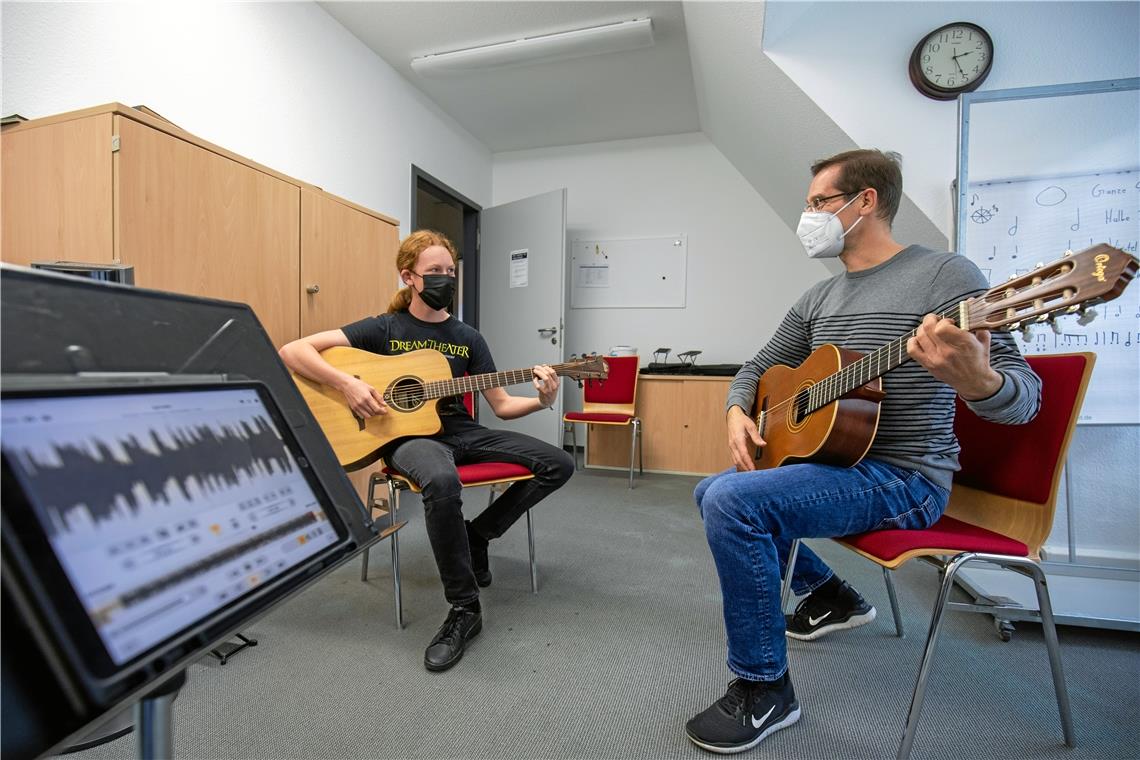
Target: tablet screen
162,506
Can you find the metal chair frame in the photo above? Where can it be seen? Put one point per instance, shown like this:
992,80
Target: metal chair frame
949,568
398,483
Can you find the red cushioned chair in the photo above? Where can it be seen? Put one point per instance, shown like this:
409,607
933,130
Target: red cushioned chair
1000,511
611,402
497,475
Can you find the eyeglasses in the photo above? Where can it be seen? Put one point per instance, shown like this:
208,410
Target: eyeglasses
817,203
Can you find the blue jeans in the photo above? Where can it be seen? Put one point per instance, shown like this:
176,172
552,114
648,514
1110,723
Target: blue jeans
751,519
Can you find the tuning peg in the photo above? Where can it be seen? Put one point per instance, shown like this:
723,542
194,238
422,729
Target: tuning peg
1026,333
1039,265
1056,327
1067,253
1011,277
1087,316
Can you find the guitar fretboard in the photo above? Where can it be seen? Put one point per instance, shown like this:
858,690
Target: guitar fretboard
457,386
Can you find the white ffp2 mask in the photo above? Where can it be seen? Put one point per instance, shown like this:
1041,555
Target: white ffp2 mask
821,232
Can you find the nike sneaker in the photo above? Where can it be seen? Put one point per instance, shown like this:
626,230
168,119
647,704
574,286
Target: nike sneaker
749,712
818,615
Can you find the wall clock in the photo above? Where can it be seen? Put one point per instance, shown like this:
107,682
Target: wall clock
952,59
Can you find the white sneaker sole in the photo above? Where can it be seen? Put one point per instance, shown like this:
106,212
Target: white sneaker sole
852,622
788,720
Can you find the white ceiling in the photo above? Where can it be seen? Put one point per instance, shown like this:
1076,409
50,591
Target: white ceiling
706,72
615,96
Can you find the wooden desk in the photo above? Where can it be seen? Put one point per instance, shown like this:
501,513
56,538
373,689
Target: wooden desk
682,427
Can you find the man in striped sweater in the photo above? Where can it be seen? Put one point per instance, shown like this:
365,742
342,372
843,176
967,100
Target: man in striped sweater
751,517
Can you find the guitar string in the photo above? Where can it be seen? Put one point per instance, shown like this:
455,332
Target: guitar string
422,389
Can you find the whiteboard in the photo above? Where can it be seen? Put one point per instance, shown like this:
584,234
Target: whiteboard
1014,224
643,273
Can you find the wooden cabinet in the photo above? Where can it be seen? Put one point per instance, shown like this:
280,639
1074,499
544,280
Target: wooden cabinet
682,427
112,184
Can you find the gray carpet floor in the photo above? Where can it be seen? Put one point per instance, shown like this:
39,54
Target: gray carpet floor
623,643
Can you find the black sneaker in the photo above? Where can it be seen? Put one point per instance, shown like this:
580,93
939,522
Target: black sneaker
817,615
747,713
480,564
446,649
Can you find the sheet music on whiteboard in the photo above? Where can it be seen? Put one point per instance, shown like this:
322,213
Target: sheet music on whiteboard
1014,224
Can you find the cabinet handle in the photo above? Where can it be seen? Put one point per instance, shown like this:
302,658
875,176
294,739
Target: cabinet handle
312,289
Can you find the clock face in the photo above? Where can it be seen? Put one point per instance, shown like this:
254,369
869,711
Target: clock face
955,58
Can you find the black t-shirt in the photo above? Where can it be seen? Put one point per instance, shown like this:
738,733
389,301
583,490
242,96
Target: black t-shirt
399,333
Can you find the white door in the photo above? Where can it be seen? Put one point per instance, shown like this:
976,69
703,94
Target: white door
522,260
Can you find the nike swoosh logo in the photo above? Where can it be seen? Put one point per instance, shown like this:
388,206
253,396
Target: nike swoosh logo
821,618
757,723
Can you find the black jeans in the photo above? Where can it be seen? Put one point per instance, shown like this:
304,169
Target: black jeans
431,462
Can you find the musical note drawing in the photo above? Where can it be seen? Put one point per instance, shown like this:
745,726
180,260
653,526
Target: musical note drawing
973,199
1076,339
1077,226
1013,229
1051,196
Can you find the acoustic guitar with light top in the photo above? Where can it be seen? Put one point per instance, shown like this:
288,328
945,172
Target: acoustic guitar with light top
827,409
411,385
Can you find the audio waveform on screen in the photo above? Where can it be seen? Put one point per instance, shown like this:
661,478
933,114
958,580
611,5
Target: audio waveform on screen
104,476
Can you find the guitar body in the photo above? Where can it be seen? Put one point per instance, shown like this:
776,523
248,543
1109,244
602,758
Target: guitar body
357,441
839,433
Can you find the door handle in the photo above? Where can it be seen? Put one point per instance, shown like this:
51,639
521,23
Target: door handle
313,289
547,332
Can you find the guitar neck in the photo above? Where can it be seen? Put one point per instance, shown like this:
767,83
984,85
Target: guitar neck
874,365
458,386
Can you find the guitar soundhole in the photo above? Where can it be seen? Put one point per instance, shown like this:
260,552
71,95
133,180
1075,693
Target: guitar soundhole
405,394
800,411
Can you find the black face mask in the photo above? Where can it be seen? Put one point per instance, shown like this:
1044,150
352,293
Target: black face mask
438,290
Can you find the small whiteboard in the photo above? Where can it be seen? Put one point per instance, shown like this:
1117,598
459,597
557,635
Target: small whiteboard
644,273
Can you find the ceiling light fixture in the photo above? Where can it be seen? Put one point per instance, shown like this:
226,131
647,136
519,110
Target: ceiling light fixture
610,38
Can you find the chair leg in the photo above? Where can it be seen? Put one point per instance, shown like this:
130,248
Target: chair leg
394,507
368,506
640,451
894,601
1049,629
574,444
530,546
786,590
634,428
928,653
396,580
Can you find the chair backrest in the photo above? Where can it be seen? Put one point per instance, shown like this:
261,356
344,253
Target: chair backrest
618,392
1011,473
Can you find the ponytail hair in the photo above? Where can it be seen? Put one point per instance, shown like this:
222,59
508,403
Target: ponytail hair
410,249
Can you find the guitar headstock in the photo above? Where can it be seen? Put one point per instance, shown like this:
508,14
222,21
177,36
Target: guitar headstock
589,367
1068,285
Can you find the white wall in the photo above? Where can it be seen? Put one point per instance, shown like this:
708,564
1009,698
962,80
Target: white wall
851,59
745,267
280,83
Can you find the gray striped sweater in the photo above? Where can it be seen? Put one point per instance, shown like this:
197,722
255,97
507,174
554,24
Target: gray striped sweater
865,310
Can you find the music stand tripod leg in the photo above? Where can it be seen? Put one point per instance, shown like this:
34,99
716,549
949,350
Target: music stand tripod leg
154,725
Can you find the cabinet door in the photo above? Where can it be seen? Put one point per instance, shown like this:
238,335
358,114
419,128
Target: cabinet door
706,433
55,200
192,221
659,406
348,263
